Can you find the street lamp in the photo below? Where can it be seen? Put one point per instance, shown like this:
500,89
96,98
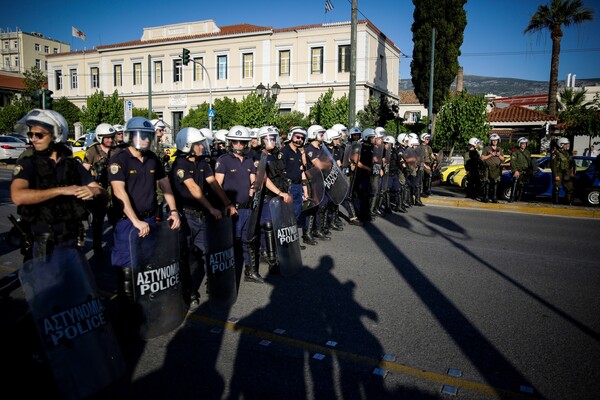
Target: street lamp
267,91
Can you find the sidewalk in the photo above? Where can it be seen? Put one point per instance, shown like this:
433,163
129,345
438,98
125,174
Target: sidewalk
518,207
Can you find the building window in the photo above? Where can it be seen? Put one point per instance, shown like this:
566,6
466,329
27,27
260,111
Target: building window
17,61
198,72
284,62
37,47
7,62
316,60
95,74
222,67
344,58
158,75
6,44
15,44
45,65
73,74
58,79
55,50
46,49
118,75
38,63
178,70
248,65
137,73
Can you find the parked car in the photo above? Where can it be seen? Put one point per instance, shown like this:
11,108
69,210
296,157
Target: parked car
11,147
459,179
448,171
21,136
83,142
586,185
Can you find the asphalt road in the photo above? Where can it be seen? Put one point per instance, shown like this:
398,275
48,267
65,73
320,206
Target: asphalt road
446,298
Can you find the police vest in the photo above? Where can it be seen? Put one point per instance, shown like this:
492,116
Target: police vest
67,209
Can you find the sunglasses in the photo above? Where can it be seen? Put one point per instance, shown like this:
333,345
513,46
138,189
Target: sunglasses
238,142
299,137
37,135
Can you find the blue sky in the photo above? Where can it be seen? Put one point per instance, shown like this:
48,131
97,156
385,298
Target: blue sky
494,43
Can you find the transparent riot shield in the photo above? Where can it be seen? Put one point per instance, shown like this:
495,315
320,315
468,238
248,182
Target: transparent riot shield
157,283
386,170
287,238
257,200
336,184
72,323
219,261
316,188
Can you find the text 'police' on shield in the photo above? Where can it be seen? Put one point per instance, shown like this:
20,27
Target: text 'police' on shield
156,280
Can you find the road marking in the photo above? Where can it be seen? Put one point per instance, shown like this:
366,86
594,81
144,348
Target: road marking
389,366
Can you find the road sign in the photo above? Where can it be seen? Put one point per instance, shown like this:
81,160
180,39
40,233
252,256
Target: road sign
128,110
211,113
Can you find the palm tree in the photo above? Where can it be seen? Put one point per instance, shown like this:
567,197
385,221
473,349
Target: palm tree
553,17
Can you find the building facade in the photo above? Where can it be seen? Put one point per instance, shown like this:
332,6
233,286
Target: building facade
230,61
20,51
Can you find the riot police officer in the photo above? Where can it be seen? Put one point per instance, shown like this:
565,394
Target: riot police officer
428,161
492,157
315,218
134,175
563,170
521,167
236,172
49,186
190,177
96,161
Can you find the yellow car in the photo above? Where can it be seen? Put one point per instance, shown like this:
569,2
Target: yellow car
448,171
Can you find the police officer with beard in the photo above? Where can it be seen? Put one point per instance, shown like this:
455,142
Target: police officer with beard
190,178
134,175
96,161
49,187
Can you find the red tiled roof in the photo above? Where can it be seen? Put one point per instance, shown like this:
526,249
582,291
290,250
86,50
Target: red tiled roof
518,114
408,97
11,82
531,100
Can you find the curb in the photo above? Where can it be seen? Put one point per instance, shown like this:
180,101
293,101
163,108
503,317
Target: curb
525,208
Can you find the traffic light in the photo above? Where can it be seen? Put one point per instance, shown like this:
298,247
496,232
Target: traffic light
186,56
36,99
48,99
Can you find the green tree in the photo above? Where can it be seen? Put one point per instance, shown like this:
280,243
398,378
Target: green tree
141,112
12,112
253,111
34,80
553,17
70,111
295,118
461,117
328,111
449,19
581,117
368,117
100,109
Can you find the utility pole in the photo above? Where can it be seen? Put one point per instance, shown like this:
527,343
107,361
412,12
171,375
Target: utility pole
149,86
431,71
352,88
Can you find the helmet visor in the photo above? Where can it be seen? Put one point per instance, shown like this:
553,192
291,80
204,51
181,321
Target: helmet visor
143,140
271,141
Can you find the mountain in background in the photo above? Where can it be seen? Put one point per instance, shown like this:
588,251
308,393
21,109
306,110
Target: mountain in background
505,87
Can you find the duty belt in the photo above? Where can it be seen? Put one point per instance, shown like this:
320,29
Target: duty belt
193,212
146,214
247,204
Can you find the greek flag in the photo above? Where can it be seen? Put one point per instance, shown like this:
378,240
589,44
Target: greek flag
328,6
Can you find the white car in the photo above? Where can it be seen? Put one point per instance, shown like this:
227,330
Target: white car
11,147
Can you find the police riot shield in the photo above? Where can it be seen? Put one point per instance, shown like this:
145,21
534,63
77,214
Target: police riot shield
219,261
387,154
316,188
346,160
158,292
287,239
257,200
72,322
336,184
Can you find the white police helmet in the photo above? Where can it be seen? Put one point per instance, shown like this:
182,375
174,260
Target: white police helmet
522,140
413,135
495,136
355,131
425,136
330,135
413,142
105,130
220,136
269,133
389,139
474,142
238,132
367,133
379,132
189,136
50,120
563,140
402,137
313,132
340,128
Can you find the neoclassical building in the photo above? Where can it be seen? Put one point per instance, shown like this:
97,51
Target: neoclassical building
230,61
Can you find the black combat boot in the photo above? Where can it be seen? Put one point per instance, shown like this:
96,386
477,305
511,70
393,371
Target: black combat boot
405,197
372,207
251,274
336,220
494,192
418,197
307,236
486,193
319,230
352,217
